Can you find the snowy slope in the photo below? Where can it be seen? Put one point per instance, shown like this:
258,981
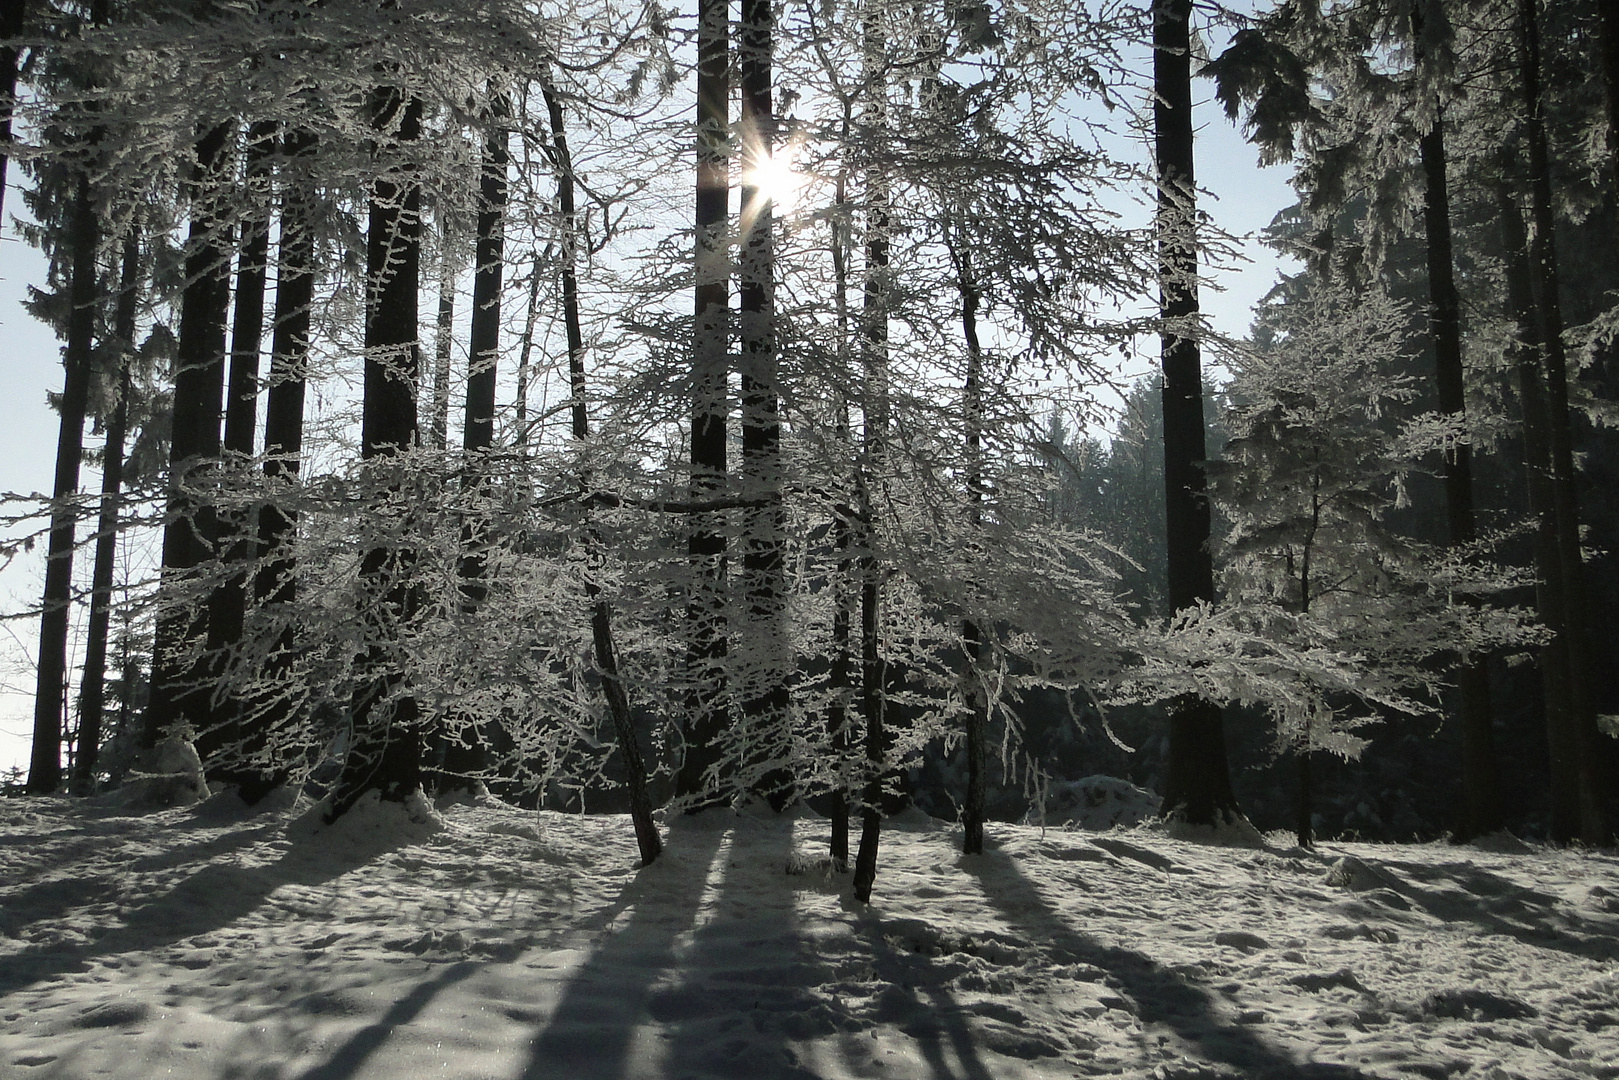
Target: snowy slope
501,943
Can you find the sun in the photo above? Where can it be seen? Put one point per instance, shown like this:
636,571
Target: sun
775,178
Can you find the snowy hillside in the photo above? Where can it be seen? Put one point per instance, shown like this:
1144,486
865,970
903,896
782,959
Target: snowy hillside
498,943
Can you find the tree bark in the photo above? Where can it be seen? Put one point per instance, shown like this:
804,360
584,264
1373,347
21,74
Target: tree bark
463,752
839,678
1577,814
1608,42
92,685
13,17
1306,809
50,693
707,715
1197,788
1550,601
228,746
385,752
1481,792
180,690
444,337
275,584
874,405
767,664
975,699
527,346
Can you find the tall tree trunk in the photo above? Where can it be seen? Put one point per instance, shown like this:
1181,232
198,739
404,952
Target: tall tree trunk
385,753
874,406
1576,814
524,349
465,753
276,583
179,690
707,715
1550,602
976,700
45,764
1197,788
1481,792
1608,42
601,613
92,685
1305,829
226,746
839,679
13,17
766,665
444,336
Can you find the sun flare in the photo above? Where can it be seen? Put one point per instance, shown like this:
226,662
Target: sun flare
776,179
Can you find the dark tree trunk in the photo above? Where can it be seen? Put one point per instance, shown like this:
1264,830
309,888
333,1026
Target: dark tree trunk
92,686
1608,41
707,715
874,405
768,666
839,683
13,16
1306,825
1481,793
385,754
227,746
1576,814
977,703
839,680
50,694
276,581
180,691
1197,788
601,614
1550,602
465,751
443,340
524,349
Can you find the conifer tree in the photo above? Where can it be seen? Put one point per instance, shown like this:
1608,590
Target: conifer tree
874,407
275,585
223,744
385,753
707,714
83,241
764,675
1576,798
180,690
1197,788
92,684
13,18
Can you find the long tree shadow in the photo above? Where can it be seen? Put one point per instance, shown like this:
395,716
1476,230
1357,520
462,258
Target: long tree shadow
1160,995
21,906
933,1023
591,1032
345,1062
210,899
747,978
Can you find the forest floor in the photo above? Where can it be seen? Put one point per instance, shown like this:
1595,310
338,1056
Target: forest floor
501,943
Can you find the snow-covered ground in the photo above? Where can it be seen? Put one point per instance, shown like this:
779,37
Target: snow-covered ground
511,944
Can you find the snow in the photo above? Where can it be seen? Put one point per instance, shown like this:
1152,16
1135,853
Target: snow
1096,802
482,941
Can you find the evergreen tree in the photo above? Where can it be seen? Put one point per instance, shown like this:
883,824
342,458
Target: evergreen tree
384,755
1198,785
